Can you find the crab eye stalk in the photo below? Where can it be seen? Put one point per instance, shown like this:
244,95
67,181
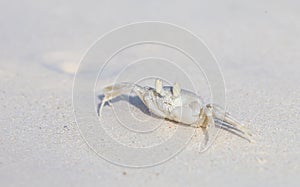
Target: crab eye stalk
158,86
176,90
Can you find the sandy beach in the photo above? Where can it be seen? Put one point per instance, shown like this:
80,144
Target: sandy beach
255,43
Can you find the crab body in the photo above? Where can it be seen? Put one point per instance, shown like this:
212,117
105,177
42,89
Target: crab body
185,107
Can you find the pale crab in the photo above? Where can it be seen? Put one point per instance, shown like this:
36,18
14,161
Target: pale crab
179,105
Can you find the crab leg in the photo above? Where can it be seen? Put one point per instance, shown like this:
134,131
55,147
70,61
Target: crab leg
114,91
228,121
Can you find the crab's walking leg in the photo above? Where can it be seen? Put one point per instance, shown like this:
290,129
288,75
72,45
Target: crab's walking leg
222,116
104,100
114,91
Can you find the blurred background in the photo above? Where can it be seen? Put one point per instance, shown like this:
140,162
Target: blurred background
257,46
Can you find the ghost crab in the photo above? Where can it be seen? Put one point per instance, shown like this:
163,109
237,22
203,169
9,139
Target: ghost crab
179,105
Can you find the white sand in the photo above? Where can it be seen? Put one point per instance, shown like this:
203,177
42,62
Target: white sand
257,45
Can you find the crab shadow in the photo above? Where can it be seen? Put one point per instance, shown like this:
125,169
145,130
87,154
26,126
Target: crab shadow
132,100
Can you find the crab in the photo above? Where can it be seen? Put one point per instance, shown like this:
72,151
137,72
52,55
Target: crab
178,105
